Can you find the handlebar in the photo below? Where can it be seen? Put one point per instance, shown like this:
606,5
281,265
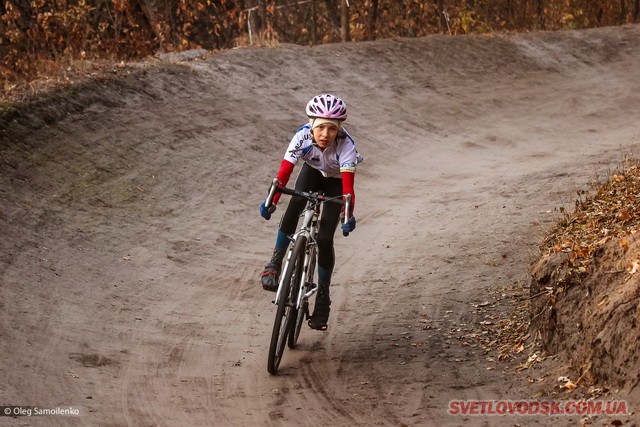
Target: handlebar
276,188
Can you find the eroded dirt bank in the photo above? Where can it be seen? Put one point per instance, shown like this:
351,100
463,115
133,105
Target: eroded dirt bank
131,242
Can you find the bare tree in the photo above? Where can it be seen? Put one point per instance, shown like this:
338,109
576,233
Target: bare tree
344,32
314,20
524,12
540,10
371,33
334,18
444,25
623,12
263,16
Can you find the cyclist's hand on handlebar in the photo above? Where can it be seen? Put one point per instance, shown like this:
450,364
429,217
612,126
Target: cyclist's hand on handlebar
350,225
266,212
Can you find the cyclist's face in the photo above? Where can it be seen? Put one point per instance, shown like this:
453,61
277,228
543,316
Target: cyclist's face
325,134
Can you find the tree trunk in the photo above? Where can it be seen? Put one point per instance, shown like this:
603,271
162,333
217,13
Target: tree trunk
147,12
253,26
334,18
263,16
444,24
374,18
599,16
636,11
344,31
511,14
623,12
314,20
540,11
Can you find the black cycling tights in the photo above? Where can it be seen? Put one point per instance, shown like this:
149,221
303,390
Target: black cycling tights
311,179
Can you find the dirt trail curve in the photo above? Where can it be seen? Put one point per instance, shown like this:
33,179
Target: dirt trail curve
131,242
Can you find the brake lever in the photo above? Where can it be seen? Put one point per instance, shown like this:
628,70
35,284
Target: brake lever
347,209
272,192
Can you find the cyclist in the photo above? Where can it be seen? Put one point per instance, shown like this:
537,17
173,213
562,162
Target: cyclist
330,158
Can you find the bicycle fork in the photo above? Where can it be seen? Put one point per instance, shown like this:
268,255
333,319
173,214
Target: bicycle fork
302,295
308,228
284,268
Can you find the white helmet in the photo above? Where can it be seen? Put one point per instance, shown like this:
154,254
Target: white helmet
327,106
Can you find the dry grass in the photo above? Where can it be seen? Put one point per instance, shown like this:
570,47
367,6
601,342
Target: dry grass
52,75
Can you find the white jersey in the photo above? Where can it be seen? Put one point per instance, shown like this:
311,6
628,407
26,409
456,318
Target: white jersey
341,156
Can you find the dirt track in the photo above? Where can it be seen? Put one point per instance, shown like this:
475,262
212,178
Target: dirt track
132,245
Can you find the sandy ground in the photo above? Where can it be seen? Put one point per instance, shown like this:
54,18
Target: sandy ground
131,241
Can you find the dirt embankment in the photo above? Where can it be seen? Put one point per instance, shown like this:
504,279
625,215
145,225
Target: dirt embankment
131,242
592,320
585,290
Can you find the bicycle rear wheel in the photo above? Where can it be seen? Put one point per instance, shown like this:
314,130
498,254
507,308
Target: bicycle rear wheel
303,311
286,311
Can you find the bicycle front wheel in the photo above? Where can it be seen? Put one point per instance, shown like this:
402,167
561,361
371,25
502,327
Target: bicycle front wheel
286,311
303,311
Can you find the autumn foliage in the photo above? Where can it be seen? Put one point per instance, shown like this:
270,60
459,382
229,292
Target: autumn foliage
36,34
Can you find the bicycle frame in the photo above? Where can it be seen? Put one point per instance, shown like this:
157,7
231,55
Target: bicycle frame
294,287
308,229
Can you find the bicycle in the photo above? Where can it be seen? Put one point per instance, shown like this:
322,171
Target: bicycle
296,285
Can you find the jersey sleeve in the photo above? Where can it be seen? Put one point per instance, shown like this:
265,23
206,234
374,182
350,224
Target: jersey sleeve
297,147
348,156
286,168
348,179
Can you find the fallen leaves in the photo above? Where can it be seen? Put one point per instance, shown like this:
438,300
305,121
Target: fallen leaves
532,360
568,384
624,244
613,211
